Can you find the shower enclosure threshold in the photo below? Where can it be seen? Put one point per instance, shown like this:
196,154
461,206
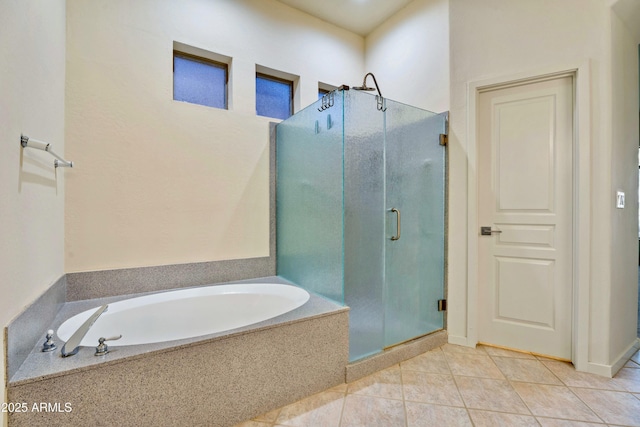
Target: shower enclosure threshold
395,354
410,340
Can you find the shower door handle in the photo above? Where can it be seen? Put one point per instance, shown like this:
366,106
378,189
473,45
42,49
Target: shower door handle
397,236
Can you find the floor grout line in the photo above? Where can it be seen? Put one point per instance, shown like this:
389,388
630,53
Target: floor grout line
586,404
521,398
344,403
565,419
578,421
395,399
404,400
466,408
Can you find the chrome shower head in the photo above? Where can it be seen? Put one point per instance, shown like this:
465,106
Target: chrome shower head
367,88
363,88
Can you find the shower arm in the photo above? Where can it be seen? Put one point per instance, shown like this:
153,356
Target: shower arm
382,105
375,82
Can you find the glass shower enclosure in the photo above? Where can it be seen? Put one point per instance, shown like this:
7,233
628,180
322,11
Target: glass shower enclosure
360,199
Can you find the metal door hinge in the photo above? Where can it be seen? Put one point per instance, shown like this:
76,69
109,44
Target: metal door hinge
444,139
442,305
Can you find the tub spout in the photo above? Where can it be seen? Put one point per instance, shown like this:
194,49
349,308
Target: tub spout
74,342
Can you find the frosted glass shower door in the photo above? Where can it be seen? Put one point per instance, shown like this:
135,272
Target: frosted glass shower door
414,240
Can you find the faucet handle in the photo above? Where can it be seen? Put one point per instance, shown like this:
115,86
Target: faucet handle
102,348
48,344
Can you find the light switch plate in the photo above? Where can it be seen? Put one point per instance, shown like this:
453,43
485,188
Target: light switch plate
620,200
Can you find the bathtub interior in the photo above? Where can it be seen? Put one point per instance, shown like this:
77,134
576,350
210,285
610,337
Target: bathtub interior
186,313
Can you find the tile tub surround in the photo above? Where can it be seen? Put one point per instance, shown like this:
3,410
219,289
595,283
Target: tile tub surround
444,387
217,381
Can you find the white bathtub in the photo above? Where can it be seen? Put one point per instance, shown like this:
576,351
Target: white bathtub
186,313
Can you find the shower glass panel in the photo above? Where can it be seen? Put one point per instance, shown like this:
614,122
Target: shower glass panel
309,208
364,223
342,166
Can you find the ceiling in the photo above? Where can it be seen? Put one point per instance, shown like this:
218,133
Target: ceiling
363,16
629,13
358,16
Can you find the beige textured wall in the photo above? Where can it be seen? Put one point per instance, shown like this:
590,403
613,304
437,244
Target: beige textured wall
624,247
496,38
409,55
32,66
164,182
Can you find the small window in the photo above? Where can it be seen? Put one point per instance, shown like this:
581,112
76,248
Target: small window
274,97
199,81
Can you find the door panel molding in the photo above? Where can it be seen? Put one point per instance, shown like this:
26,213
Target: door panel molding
581,201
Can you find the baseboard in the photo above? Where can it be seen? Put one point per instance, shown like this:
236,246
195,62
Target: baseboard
460,340
611,370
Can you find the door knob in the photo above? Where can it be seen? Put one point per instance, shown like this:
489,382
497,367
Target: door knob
487,231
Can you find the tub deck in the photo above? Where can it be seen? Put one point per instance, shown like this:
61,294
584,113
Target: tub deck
217,379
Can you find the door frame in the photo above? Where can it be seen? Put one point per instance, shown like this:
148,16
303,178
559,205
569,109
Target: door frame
581,200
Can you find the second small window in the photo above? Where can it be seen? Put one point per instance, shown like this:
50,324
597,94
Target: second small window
274,97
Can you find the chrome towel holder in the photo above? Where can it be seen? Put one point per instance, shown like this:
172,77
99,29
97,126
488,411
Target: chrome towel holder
25,141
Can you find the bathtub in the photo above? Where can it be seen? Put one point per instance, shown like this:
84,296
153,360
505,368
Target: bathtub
186,313
217,379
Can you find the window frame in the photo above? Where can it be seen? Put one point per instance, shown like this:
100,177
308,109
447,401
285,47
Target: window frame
322,92
206,61
288,82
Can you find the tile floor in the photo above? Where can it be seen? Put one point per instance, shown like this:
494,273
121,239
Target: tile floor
460,386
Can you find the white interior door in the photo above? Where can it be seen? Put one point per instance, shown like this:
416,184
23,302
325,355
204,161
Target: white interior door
525,172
